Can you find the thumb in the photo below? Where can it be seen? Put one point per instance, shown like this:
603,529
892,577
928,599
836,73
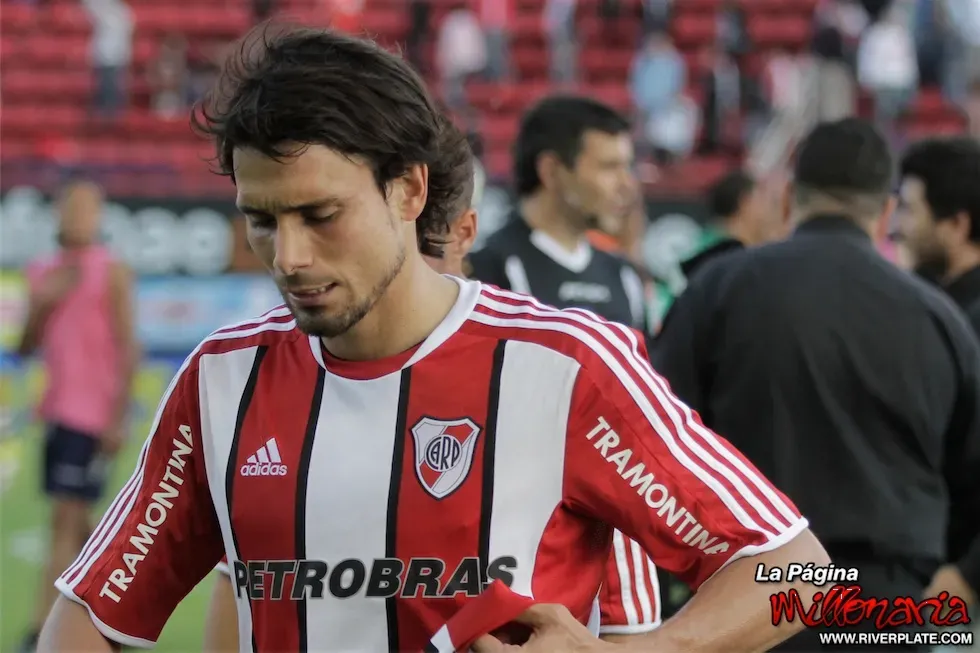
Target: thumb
487,644
541,615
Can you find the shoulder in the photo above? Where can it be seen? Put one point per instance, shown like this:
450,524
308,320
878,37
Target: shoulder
274,328
594,345
506,239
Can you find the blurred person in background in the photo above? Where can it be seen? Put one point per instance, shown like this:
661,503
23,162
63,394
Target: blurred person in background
658,77
733,34
961,47
858,372
419,33
169,79
111,53
971,107
940,224
888,66
784,84
743,214
81,316
573,172
461,52
496,18
836,93
562,35
656,15
347,15
721,84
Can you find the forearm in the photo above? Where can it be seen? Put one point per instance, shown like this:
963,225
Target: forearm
69,628
30,338
736,606
128,365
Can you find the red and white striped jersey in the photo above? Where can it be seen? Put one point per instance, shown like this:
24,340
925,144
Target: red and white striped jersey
629,599
361,504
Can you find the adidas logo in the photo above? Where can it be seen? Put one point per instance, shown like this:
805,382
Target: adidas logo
265,462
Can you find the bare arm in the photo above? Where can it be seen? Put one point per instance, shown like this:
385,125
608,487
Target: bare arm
122,306
221,627
70,628
736,606
30,338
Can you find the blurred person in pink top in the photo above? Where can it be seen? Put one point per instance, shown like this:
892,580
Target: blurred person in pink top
81,319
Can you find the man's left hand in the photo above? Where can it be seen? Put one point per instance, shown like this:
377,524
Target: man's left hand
553,630
948,578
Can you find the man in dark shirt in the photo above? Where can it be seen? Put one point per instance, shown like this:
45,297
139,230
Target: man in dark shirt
851,383
573,171
940,224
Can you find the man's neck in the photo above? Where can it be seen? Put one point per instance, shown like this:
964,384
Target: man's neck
542,213
415,303
962,262
738,230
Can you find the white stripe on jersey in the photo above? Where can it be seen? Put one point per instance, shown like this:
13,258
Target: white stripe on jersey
352,451
624,566
638,563
543,317
114,517
519,517
228,371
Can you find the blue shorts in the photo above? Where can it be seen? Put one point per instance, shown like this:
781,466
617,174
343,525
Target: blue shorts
74,467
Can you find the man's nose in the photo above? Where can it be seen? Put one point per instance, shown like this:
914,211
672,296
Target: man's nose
293,249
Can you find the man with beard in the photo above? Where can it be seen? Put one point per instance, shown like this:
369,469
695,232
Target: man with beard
940,226
573,172
376,452
629,601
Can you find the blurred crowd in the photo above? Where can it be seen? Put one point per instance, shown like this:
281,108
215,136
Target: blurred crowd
870,56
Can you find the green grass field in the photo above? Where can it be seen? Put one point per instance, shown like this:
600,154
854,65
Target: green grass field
23,528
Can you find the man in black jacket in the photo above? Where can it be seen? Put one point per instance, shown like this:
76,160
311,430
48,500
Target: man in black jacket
941,227
852,384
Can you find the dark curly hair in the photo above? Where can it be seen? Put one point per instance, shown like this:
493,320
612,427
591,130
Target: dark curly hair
288,87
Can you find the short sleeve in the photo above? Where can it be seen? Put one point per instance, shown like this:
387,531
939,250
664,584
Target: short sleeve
641,461
629,601
159,537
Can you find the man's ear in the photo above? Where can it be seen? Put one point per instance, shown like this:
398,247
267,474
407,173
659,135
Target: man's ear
547,168
410,192
464,232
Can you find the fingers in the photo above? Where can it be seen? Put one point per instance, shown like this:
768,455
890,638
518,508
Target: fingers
488,644
544,614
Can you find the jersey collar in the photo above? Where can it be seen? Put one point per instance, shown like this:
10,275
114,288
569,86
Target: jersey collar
575,261
469,293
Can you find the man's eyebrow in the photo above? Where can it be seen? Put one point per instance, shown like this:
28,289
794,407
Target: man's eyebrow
276,208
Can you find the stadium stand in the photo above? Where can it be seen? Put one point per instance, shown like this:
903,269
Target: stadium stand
47,82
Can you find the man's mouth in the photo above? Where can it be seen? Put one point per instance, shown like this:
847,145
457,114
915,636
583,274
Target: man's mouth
314,296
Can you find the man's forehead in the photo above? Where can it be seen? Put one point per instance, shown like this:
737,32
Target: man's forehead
605,145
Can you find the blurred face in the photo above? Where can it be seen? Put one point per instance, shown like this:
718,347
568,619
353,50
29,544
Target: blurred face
462,233
79,214
761,210
331,240
921,233
600,189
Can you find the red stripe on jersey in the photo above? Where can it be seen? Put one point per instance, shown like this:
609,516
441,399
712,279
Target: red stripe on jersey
448,417
746,493
237,336
266,488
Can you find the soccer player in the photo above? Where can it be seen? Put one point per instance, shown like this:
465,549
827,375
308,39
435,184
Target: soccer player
573,172
941,227
392,440
629,602
81,316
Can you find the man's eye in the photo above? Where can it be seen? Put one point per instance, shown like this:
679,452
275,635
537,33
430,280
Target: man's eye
322,219
257,222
